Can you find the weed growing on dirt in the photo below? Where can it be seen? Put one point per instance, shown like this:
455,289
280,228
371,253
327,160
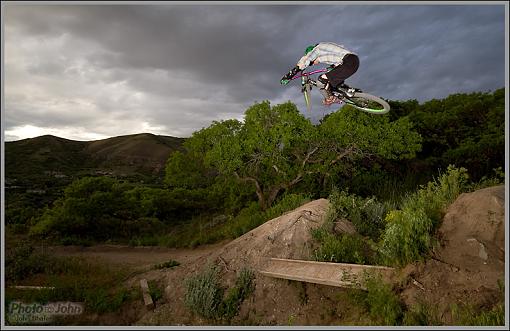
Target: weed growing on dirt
204,294
421,314
167,264
470,315
382,304
343,248
366,214
487,181
155,290
408,234
243,288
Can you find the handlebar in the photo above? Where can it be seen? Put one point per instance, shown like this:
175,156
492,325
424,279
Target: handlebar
306,74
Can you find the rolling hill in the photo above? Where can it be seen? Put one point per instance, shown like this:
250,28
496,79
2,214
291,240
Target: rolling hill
138,153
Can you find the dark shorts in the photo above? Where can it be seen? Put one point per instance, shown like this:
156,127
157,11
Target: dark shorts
341,72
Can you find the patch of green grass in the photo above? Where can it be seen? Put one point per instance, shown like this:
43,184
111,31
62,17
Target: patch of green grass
470,316
421,314
382,303
74,279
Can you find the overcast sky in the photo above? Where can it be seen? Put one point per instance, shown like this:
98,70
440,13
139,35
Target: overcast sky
89,72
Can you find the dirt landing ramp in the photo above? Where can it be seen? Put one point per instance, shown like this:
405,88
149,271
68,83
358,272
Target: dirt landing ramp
325,273
287,237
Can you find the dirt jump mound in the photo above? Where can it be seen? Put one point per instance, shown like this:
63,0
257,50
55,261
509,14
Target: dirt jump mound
470,258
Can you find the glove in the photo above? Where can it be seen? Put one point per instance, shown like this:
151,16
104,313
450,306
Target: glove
291,73
284,81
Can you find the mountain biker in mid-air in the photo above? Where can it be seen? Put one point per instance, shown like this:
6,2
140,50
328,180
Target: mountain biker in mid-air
343,63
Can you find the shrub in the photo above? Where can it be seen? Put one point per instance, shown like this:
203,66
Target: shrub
236,295
367,215
408,233
342,248
73,279
382,303
204,294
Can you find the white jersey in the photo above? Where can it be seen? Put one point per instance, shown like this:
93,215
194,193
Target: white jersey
329,53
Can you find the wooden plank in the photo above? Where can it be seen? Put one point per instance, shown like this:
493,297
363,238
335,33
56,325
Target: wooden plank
147,299
21,287
325,273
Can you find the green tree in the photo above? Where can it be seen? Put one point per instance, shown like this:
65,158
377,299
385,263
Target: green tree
276,147
463,129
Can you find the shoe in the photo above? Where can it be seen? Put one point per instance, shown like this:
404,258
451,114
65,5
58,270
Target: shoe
349,91
330,100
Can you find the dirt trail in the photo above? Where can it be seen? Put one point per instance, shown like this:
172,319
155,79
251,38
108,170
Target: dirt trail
139,257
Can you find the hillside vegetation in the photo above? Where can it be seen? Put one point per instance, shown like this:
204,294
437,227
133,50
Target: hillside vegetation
389,181
227,178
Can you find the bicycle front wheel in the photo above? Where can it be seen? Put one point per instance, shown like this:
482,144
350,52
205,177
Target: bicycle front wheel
368,103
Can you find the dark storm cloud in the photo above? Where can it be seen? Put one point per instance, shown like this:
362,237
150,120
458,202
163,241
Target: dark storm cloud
215,60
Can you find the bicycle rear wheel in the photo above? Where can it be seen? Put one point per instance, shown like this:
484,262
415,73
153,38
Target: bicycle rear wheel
368,103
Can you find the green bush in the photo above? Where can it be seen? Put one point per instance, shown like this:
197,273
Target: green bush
408,233
367,215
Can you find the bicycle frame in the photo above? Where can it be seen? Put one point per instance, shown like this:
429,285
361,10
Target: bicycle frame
306,74
307,84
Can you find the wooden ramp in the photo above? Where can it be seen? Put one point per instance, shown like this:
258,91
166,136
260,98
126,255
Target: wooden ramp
326,273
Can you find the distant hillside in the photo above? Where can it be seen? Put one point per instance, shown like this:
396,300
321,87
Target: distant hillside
137,153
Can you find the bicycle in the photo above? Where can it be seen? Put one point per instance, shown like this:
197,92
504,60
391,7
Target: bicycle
360,100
